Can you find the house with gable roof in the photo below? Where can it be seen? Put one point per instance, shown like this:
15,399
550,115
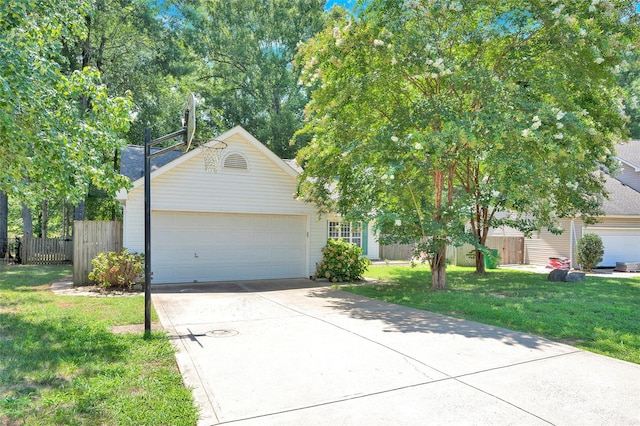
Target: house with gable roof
619,228
240,223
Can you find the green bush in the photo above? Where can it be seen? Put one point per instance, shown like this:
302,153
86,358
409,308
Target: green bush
119,270
341,262
589,251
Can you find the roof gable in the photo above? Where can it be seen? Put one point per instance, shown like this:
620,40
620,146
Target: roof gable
176,158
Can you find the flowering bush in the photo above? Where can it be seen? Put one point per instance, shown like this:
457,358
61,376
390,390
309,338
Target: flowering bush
119,270
341,262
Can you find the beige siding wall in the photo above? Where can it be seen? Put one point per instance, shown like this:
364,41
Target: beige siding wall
544,244
264,188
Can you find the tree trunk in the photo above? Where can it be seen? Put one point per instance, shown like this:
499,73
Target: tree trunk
479,257
438,265
4,224
27,223
44,219
78,211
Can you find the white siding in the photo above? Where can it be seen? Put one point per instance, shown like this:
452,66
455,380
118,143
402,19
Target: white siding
265,188
373,246
318,232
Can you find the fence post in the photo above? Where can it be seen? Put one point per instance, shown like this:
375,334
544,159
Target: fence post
24,250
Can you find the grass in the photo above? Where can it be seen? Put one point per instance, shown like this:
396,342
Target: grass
600,314
61,365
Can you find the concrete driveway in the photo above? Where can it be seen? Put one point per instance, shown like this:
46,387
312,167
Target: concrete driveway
295,352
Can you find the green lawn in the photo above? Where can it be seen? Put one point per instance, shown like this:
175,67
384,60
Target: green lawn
61,364
600,314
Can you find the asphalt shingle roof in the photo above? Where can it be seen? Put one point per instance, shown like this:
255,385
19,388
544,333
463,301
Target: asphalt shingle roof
623,200
132,160
629,152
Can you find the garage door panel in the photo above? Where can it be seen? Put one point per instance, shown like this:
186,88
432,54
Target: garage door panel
189,247
620,245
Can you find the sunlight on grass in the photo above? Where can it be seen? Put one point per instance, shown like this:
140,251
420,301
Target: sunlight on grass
60,364
600,314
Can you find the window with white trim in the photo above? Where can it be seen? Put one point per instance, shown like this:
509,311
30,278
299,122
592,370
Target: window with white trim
346,231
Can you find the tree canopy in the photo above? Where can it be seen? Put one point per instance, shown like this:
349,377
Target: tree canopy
56,127
434,117
243,52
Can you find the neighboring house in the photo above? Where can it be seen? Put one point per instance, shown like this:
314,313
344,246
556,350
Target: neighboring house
240,223
619,228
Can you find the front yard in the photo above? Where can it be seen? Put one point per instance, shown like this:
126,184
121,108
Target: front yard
600,314
60,363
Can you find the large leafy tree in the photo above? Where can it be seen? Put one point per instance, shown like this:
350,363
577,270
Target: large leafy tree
137,54
54,126
244,50
629,76
433,117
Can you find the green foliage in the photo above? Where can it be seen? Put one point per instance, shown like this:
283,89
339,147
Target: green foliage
629,78
589,251
243,52
599,314
58,128
435,118
136,52
341,262
118,270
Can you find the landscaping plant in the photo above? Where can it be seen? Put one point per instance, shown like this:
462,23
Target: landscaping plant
589,251
118,270
341,262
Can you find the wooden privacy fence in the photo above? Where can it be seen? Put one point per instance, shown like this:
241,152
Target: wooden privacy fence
90,238
396,251
46,251
510,249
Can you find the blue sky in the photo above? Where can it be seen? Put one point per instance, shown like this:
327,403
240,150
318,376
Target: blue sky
347,4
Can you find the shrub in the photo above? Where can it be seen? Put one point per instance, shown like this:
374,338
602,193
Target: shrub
119,270
589,251
341,261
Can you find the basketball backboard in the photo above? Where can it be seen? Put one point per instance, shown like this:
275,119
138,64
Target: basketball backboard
190,118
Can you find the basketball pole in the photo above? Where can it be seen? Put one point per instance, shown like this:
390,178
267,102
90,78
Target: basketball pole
148,143
186,133
147,231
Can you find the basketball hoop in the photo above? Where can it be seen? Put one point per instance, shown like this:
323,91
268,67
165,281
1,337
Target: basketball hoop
212,155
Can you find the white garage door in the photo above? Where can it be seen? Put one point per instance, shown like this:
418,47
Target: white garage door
620,244
190,247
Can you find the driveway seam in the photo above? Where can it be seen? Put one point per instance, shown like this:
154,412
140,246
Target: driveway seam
448,376
183,366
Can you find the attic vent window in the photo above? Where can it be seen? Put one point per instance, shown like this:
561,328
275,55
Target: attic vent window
235,161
